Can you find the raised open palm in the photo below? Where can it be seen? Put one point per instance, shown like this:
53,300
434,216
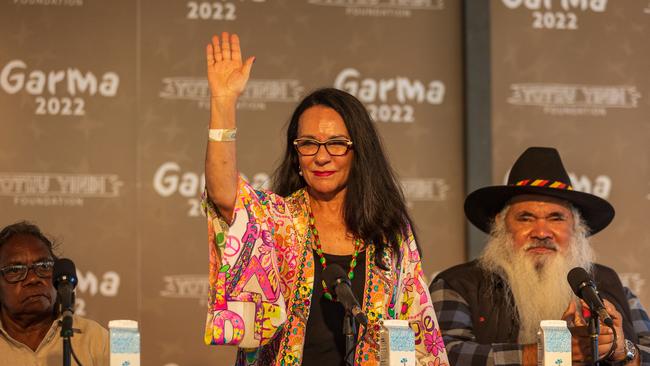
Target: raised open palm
227,75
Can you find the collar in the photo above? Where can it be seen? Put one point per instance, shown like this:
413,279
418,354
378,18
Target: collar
51,333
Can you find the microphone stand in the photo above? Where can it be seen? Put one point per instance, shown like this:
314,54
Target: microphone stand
66,333
594,330
66,351
64,280
349,330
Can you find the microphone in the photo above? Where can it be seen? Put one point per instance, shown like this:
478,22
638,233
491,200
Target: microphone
337,281
585,288
65,280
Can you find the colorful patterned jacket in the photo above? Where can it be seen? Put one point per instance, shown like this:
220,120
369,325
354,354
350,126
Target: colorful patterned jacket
261,283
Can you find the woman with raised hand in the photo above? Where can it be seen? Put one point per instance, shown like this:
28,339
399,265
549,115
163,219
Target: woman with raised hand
337,204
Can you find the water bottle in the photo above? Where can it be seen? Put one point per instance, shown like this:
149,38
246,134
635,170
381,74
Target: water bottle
397,343
124,342
553,343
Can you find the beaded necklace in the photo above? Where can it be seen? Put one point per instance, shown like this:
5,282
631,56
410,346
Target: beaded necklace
321,255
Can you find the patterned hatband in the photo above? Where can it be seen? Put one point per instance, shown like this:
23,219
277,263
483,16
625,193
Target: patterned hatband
544,183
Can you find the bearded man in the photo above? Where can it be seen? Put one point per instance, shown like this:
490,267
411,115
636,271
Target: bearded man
489,309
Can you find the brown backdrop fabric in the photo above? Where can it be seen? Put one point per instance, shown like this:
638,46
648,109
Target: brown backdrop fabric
104,121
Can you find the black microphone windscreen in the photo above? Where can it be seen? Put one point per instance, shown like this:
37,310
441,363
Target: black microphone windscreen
332,273
64,267
577,277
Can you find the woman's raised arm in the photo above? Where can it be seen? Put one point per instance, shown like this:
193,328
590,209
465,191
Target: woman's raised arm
227,78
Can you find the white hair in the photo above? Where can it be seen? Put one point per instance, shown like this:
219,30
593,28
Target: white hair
538,285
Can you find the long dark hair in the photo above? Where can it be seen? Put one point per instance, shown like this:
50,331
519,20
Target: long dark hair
374,208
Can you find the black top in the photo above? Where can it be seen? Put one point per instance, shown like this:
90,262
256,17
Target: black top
324,340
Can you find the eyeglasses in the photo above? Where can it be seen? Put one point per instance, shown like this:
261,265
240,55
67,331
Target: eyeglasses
310,147
18,272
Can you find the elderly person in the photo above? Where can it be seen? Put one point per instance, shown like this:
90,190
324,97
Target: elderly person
30,327
336,201
490,309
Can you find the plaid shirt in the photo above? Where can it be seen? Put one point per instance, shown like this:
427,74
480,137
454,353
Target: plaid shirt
454,317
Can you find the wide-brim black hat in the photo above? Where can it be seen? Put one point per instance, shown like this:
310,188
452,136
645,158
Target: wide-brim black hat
539,170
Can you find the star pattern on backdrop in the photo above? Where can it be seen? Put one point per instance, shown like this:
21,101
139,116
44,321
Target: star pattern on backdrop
271,19
172,130
47,21
42,163
354,44
36,129
26,101
582,49
7,155
640,27
127,216
302,19
81,166
325,66
537,69
45,58
277,59
289,41
23,34
421,130
617,68
645,243
372,67
520,133
283,4
181,154
619,12
149,119
186,63
627,47
87,125
147,149
619,146
624,226
162,48
124,104
510,55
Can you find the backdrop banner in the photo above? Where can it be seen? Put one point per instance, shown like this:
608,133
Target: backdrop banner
105,113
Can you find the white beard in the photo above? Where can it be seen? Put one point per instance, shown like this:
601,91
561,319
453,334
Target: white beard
537,282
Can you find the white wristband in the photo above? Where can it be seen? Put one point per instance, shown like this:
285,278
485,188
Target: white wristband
222,134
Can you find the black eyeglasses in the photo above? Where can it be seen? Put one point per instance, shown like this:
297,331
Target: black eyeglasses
18,272
310,147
